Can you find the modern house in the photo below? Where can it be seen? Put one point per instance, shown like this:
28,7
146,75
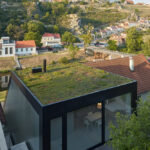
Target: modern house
51,39
9,48
66,108
25,47
140,71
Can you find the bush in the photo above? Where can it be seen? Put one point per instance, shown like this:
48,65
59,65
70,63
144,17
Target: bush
53,62
64,60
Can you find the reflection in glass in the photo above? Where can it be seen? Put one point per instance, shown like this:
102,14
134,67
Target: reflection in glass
120,104
56,134
84,128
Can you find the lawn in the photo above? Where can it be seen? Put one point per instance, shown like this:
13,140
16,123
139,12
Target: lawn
2,95
65,81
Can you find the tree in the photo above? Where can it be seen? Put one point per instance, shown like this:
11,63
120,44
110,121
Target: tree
33,36
146,45
36,16
35,26
73,50
122,1
69,38
15,32
87,36
132,133
134,40
112,45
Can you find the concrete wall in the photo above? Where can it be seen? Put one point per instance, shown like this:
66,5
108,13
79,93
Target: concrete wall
22,119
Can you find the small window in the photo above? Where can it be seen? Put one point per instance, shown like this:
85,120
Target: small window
6,79
11,50
6,50
0,52
16,49
31,49
22,49
26,49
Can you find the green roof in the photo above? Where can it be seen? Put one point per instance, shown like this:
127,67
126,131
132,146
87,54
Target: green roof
66,81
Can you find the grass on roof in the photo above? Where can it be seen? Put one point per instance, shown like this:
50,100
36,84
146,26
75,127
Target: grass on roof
65,81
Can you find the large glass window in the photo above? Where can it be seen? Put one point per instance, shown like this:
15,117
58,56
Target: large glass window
120,104
84,127
56,134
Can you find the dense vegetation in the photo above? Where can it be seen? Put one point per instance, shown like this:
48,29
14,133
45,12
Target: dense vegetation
132,133
23,20
136,42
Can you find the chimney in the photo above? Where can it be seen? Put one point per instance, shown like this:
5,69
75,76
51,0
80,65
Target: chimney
44,65
131,63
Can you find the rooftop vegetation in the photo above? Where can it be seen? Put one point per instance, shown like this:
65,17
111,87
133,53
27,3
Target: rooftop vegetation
65,81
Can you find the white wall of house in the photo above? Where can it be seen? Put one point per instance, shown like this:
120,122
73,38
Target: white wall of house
7,50
26,51
4,80
51,41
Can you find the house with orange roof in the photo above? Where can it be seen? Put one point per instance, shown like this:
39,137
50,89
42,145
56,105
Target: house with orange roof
136,68
51,39
25,47
129,2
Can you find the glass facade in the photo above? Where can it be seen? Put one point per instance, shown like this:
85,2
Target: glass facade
84,128
120,104
22,119
56,134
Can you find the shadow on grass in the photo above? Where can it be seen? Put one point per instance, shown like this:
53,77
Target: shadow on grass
56,69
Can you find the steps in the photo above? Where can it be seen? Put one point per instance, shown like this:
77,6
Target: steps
7,144
20,146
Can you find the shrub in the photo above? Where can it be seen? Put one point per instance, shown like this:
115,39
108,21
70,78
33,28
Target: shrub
53,62
64,60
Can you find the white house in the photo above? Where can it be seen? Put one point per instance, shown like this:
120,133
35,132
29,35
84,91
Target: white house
7,47
25,48
51,39
4,81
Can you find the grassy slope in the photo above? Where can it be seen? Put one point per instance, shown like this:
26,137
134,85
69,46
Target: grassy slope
67,81
144,9
99,17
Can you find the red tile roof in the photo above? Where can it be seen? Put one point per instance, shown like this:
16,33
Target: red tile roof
129,1
55,35
25,44
120,66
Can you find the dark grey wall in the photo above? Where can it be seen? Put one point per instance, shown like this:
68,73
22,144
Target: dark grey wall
22,119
